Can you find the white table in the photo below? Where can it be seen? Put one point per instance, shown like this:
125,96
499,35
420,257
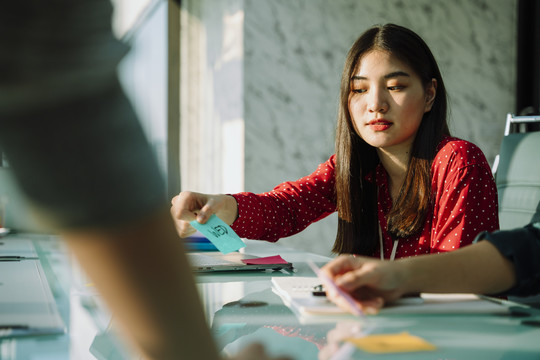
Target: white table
88,334
241,308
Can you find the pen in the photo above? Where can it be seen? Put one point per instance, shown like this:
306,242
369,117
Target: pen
332,285
16,258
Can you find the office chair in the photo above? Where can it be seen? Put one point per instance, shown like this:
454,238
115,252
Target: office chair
517,176
517,173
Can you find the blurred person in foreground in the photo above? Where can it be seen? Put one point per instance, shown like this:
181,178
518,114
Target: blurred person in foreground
78,152
498,263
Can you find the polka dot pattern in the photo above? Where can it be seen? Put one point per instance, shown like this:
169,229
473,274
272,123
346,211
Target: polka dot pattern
464,196
289,208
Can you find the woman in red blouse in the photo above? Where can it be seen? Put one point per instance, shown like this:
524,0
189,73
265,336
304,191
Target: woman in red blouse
401,184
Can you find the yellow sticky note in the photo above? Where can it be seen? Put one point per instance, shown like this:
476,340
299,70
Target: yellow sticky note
392,343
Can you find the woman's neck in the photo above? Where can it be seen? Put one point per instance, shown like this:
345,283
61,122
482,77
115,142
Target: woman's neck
396,163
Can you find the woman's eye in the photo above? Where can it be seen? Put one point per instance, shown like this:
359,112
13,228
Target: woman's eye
396,88
359,91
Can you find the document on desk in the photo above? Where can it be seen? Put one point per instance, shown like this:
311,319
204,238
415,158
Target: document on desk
297,293
17,248
27,306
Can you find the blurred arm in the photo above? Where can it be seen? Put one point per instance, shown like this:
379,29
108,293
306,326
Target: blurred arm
143,275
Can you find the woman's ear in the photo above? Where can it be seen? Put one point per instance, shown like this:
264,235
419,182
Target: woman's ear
431,92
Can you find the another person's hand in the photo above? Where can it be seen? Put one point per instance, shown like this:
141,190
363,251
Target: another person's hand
336,336
188,206
370,282
256,352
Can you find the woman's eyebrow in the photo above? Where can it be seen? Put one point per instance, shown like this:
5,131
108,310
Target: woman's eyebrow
391,75
396,74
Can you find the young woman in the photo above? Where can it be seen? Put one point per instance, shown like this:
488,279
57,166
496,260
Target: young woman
401,185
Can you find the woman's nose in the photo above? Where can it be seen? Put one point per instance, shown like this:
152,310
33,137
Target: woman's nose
377,101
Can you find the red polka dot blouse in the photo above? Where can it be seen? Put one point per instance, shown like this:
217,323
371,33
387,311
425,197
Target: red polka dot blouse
464,193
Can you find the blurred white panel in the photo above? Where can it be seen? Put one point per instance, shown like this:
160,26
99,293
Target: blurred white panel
126,14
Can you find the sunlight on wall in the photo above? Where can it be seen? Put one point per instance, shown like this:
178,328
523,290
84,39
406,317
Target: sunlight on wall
212,124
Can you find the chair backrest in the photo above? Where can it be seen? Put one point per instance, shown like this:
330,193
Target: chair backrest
520,123
518,175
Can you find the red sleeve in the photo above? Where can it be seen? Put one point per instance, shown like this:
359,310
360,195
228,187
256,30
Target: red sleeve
465,199
289,208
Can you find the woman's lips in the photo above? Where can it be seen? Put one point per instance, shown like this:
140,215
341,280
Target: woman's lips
379,125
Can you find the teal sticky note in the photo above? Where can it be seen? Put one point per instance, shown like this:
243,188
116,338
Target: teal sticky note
220,234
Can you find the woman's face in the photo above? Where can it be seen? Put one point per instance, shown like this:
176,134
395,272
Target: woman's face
387,101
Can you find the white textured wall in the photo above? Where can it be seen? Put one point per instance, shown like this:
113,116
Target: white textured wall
294,52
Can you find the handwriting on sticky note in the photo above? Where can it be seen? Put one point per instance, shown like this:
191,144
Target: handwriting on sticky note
268,260
392,343
220,234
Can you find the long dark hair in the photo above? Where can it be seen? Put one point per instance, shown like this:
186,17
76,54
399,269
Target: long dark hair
355,159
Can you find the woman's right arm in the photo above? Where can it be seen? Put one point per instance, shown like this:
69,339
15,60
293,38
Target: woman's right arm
286,210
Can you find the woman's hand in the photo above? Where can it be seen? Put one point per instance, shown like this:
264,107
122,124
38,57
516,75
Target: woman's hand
370,282
188,206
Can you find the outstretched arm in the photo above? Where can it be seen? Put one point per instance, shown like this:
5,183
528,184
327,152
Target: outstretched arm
141,271
478,268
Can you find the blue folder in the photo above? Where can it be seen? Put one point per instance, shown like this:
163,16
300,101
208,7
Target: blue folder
198,242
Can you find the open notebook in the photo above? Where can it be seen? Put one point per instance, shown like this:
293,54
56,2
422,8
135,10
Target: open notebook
216,261
297,293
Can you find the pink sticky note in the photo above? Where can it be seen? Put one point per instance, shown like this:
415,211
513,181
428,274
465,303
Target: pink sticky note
276,259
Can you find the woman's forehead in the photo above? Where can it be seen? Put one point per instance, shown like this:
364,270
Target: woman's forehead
380,63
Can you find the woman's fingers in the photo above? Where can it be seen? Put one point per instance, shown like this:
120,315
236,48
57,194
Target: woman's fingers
185,207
